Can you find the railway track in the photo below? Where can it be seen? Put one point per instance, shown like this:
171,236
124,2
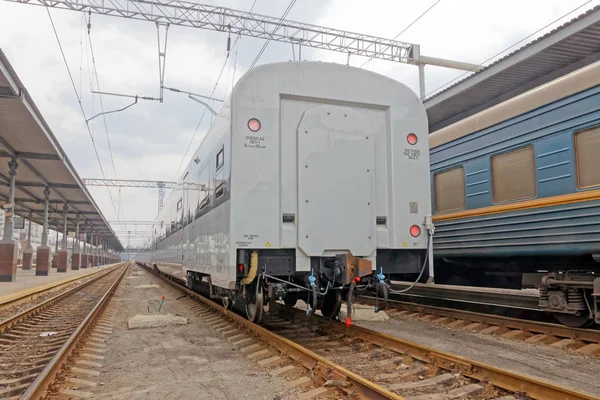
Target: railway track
326,359
36,343
15,303
584,341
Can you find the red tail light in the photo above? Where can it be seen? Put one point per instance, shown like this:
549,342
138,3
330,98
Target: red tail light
412,139
254,125
415,230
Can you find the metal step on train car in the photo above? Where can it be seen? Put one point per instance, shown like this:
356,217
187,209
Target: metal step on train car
516,193
312,182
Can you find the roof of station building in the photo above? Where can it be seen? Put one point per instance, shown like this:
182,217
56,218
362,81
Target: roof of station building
568,47
42,163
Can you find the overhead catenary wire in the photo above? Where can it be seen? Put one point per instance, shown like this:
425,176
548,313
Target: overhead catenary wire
81,54
408,26
80,104
262,50
211,95
201,119
112,160
483,63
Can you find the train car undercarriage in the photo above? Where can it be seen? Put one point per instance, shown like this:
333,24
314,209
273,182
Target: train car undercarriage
572,297
268,276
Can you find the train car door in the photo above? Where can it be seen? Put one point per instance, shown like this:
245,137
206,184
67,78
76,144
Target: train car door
336,181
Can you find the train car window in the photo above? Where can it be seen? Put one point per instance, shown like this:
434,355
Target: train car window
220,190
449,189
513,175
204,203
587,149
220,158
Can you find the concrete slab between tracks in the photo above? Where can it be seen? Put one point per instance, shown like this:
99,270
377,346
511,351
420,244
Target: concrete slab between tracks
147,287
27,283
362,312
154,320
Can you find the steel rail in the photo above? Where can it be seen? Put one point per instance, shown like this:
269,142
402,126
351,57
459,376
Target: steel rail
508,380
504,379
311,361
24,296
45,379
10,321
534,327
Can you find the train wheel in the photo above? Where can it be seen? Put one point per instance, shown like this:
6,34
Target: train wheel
332,304
255,302
290,301
574,321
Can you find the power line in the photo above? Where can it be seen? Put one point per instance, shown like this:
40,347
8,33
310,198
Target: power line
211,95
408,27
509,47
79,101
262,50
201,118
112,160
416,20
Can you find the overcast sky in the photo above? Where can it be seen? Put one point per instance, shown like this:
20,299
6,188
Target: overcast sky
149,139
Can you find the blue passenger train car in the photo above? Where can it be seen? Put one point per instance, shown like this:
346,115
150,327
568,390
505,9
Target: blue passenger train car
516,196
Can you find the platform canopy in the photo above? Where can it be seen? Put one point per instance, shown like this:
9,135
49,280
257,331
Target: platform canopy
563,50
42,163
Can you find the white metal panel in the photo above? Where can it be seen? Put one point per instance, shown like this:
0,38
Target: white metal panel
336,182
261,193
291,111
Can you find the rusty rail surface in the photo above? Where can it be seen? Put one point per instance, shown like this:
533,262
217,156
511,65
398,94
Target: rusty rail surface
40,387
534,327
303,356
511,381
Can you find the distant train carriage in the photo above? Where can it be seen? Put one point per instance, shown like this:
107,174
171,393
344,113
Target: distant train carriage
313,176
516,196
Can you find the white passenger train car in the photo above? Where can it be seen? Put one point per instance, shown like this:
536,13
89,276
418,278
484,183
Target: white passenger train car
312,175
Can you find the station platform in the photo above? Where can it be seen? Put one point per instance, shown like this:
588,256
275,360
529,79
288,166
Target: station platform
28,283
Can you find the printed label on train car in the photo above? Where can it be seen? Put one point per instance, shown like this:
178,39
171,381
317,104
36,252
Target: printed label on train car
412,154
256,142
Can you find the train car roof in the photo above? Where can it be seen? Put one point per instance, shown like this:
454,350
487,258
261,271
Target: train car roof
295,67
557,53
567,85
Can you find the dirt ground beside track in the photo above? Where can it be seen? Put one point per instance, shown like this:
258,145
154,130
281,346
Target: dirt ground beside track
178,362
558,366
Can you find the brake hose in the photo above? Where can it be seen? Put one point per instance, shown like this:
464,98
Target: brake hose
420,273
